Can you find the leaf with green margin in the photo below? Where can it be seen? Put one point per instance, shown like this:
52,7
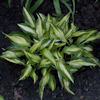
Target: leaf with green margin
44,44
28,30
52,82
44,63
71,49
60,79
64,71
18,40
32,57
78,33
35,46
28,18
92,38
44,71
43,82
66,86
85,36
95,60
34,75
1,97
46,52
8,54
59,33
80,62
15,60
64,20
39,27
48,22
26,72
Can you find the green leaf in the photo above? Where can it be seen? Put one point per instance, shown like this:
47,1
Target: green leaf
35,46
18,40
57,45
64,71
32,57
52,82
48,22
85,36
15,60
88,48
71,49
60,79
1,97
39,27
25,28
57,7
59,33
51,44
92,38
65,19
9,3
95,60
49,55
68,34
80,62
43,82
44,63
34,75
26,72
79,33
8,54
66,86
44,71
35,6
28,18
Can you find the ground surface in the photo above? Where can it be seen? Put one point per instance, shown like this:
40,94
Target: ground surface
87,81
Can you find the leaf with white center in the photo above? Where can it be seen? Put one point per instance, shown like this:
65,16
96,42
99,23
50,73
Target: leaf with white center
79,33
57,45
48,23
42,16
95,60
85,36
8,54
43,82
87,48
15,61
26,72
60,79
32,57
46,52
92,38
71,49
52,82
51,44
34,75
66,86
64,20
59,33
35,47
44,63
28,18
80,62
65,72
39,27
19,53
44,44
18,40
68,34
44,71
28,30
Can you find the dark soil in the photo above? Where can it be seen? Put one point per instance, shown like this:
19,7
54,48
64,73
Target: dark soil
87,81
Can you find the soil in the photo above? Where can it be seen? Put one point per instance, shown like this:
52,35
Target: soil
87,80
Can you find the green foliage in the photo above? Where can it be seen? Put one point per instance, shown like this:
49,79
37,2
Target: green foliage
57,3
1,97
49,44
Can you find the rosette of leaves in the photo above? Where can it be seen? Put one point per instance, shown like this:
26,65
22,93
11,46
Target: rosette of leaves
50,44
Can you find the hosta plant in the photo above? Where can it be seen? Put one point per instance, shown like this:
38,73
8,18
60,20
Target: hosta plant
50,44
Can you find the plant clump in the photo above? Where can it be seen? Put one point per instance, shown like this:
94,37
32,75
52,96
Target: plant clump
49,44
